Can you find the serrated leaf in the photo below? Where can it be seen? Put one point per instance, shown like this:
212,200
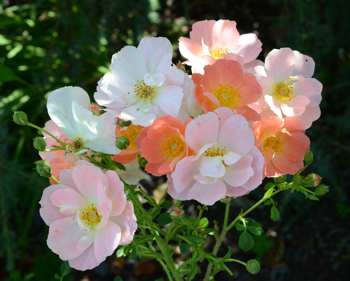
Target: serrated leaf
275,214
166,204
184,248
253,266
203,223
246,241
164,219
255,230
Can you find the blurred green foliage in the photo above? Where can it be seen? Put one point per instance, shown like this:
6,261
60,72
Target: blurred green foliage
45,45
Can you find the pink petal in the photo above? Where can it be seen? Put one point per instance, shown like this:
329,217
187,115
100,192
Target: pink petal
258,166
207,194
169,99
248,47
274,106
202,130
280,63
236,135
106,241
190,49
184,173
304,65
202,32
224,34
240,172
212,167
64,236
223,113
49,212
127,223
68,200
116,193
86,241
87,260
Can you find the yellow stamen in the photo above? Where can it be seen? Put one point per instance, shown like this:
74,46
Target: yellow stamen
75,145
131,133
216,151
218,52
283,91
90,216
173,146
143,91
275,143
227,95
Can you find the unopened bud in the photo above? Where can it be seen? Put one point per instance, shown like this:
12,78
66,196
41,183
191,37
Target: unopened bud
309,157
176,214
20,118
95,109
124,123
311,180
321,189
281,179
297,180
39,143
122,142
43,168
142,162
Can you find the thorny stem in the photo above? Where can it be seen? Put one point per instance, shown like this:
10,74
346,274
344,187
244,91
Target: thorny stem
232,224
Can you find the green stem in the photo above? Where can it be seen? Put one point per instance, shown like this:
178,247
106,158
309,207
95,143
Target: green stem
238,261
96,162
42,130
54,179
232,224
166,256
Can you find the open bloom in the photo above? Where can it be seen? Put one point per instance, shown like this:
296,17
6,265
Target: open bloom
288,89
225,84
163,145
212,40
226,161
144,84
88,215
283,144
58,159
69,108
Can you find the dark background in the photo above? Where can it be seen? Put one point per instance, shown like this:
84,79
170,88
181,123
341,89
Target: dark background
45,45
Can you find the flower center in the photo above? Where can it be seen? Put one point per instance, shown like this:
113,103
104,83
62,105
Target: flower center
275,143
215,151
90,216
131,133
173,146
217,52
283,91
75,145
227,95
144,92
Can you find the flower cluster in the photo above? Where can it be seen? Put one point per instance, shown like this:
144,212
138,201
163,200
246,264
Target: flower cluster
214,134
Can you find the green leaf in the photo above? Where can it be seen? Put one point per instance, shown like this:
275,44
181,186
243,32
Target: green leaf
255,230
321,189
120,166
253,266
184,248
203,223
164,219
166,204
118,278
246,241
239,227
143,239
267,203
269,185
254,223
57,277
120,253
149,254
312,197
275,214
159,279
7,75
196,239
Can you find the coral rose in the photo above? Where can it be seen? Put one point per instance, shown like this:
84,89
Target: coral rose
283,144
225,84
163,145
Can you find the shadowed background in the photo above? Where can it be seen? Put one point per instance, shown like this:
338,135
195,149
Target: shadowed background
45,45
